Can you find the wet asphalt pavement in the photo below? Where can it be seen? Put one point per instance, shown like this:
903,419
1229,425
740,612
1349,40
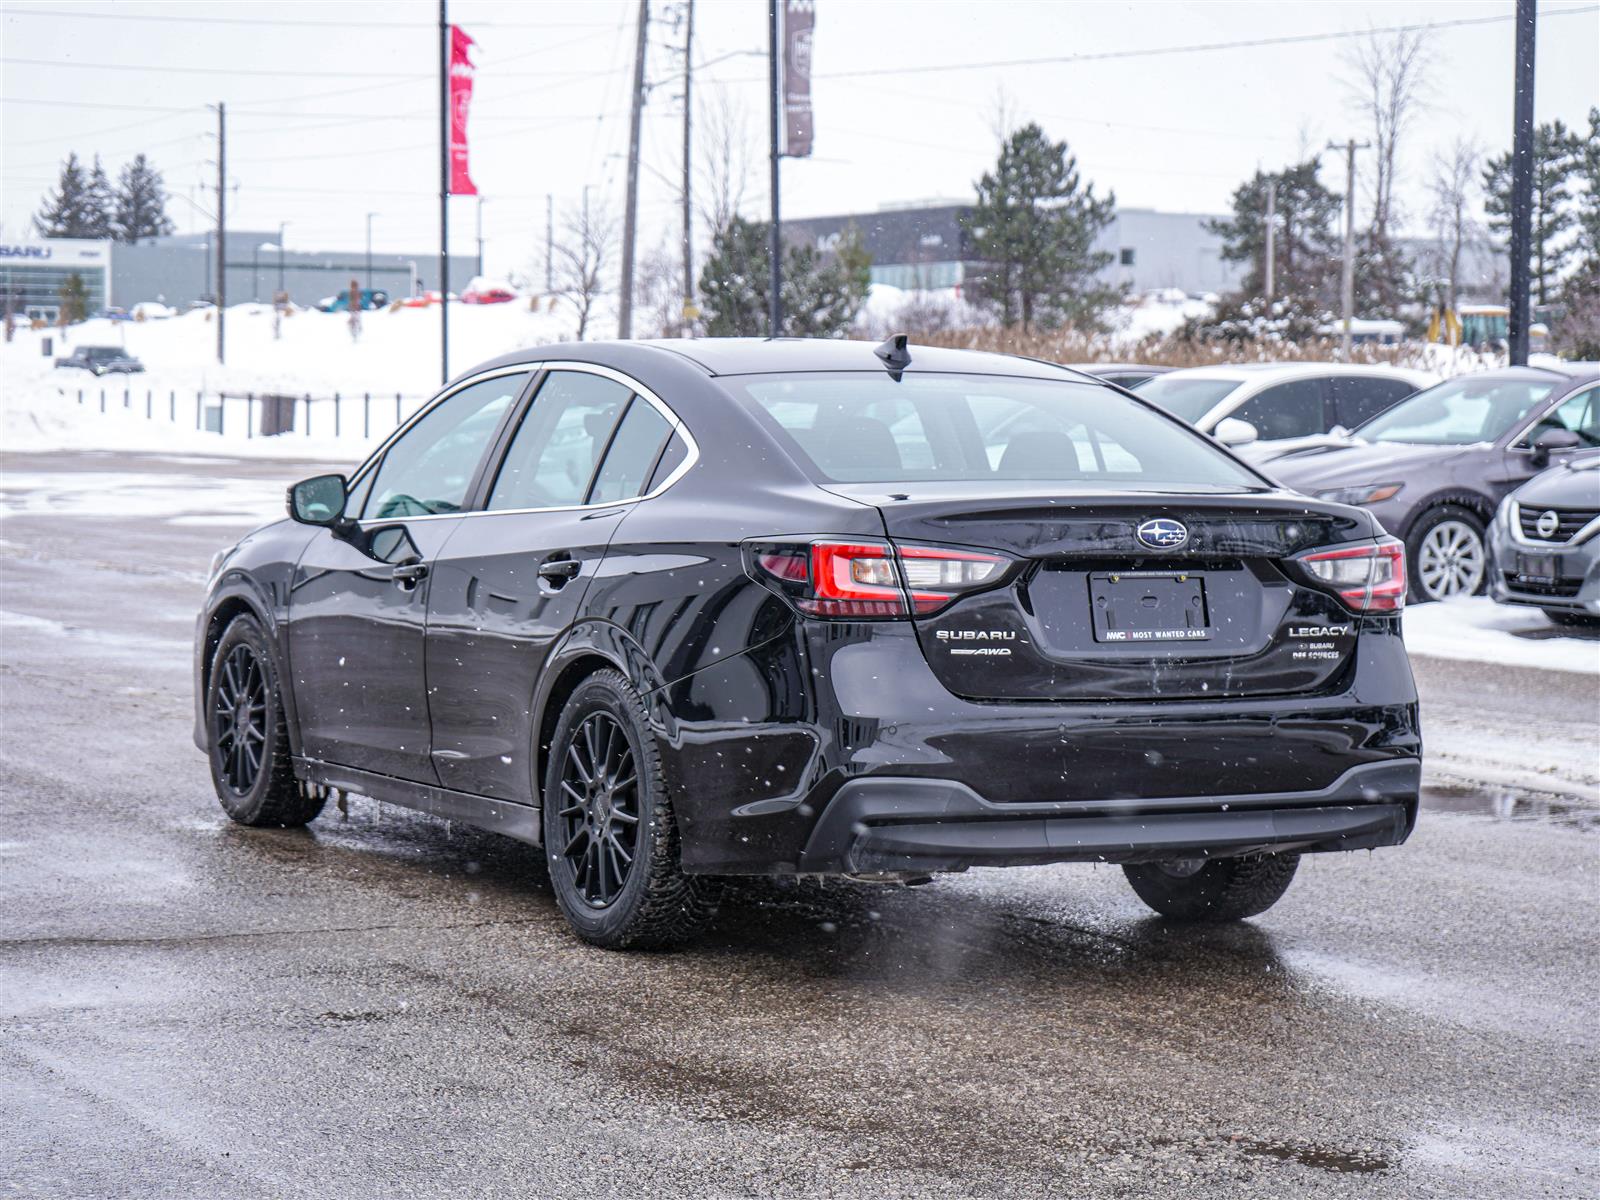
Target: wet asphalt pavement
385,1005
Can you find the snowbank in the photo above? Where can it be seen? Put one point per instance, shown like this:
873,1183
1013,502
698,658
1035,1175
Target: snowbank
1476,629
43,407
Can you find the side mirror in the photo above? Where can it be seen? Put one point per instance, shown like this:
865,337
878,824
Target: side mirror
1231,431
1553,439
319,500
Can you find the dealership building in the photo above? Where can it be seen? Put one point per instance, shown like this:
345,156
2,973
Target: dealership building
927,247
181,269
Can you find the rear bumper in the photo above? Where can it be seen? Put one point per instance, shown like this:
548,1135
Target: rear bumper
882,823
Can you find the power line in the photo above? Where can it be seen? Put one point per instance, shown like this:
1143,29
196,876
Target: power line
169,70
366,26
1160,51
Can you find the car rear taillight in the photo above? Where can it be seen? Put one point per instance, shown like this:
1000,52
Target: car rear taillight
863,580
1370,578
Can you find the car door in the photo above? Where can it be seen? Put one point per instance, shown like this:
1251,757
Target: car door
1579,412
358,604
513,578
1286,410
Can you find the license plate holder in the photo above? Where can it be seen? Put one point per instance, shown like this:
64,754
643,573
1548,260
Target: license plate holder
1141,607
1539,568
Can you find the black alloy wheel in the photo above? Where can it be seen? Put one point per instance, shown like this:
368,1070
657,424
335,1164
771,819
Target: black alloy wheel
239,719
252,765
610,836
599,817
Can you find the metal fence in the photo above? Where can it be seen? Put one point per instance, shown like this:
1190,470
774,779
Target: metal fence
262,414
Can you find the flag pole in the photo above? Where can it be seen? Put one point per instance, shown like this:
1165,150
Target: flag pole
444,194
775,248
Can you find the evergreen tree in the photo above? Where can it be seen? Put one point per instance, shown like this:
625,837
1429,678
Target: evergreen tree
69,211
1557,155
1034,228
821,293
73,297
1307,242
1586,211
141,203
100,203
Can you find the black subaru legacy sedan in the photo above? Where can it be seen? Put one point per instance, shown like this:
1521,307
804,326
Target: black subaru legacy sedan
676,611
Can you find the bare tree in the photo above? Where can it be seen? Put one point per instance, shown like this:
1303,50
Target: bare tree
1453,187
583,259
658,292
1391,79
727,161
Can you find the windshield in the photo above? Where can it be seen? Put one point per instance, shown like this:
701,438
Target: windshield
1185,398
856,427
1459,413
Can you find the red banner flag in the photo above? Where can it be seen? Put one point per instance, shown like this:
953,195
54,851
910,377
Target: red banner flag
461,70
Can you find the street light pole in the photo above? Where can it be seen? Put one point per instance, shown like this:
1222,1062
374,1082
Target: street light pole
282,225
1521,186
369,250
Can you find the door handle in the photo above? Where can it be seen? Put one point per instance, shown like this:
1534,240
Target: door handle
408,575
557,571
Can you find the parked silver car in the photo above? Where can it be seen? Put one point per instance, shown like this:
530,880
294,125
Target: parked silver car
1545,544
1434,468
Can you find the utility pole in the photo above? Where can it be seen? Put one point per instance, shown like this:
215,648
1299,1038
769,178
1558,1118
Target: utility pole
688,165
444,195
1347,282
1521,185
775,247
549,243
222,227
1272,241
369,249
631,212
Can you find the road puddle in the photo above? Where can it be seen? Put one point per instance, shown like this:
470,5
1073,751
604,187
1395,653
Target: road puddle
1505,804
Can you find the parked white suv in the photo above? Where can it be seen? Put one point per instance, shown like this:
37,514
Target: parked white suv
1268,402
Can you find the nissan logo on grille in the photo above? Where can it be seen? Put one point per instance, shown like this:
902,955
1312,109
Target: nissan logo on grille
1162,533
1547,524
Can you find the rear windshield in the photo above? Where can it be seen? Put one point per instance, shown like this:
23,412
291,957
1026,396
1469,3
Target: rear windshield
1459,413
1185,398
850,427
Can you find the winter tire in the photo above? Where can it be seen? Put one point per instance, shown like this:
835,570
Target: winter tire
611,842
248,737
1446,555
1213,890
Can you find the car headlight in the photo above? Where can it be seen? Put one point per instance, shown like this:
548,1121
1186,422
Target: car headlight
1367,493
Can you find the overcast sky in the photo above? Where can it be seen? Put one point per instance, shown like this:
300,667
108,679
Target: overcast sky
332,105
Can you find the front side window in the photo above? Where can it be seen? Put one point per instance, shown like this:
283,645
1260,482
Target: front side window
1186,398
1286,411
858,427
1461,412
1580,414
552,457
430,467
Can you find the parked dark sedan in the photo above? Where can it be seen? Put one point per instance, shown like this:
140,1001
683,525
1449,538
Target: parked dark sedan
1544,545
1434,468
681,610
102,360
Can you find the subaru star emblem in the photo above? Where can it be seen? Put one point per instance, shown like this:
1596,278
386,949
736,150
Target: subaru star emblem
1547,524
1162,533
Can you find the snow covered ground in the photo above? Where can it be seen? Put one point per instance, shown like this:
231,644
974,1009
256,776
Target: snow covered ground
1476,629
396,354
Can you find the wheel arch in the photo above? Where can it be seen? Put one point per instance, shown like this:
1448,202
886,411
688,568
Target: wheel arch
1476,503
583,650
239,598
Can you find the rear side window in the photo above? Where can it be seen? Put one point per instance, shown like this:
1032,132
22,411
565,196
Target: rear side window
552,456
1356,399
633,452
859,427
1286,411
671,459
